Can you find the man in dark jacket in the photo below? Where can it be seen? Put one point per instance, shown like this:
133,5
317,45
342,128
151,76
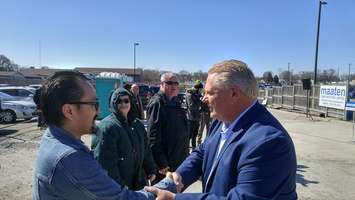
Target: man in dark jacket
167,126
121,144
205,121
193,103
137,101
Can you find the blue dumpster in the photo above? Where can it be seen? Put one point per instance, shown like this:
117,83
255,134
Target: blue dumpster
105,84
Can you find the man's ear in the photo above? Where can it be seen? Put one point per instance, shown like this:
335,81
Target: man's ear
235,91
67,111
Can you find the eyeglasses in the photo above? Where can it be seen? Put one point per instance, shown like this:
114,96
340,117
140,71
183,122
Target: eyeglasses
171,82
119,101
93,103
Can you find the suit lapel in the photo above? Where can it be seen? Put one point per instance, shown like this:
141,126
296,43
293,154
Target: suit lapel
242,124
215,161
212,150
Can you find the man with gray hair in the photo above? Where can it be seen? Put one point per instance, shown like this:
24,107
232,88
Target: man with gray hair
249,155
167,126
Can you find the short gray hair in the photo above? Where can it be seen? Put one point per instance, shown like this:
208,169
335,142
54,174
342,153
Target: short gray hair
235,73
166,76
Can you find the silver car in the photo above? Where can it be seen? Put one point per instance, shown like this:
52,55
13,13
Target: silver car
19,92
12,109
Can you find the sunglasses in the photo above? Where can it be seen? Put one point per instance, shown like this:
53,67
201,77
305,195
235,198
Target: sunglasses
126,101
171,82
92,103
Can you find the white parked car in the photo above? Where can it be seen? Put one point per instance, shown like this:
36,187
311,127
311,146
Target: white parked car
35,86
12,109
18,92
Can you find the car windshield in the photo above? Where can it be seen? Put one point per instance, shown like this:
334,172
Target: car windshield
4,96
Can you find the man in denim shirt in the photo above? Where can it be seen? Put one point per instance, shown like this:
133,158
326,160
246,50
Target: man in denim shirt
65,168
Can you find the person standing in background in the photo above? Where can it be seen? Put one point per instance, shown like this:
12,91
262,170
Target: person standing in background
204,122
137,101
167,126
121,145
193,103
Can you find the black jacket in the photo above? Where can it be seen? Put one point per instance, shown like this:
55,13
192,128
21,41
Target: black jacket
167,131
193,103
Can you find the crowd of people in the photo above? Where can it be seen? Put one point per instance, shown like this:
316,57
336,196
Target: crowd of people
246,154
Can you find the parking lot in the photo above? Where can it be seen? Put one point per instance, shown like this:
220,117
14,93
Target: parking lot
324,147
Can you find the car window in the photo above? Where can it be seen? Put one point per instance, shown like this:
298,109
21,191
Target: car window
24,93
12,92
4,96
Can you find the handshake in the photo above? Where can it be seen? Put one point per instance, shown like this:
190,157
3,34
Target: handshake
166,188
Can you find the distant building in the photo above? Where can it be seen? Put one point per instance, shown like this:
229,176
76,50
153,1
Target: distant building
12,78
27,76
37,76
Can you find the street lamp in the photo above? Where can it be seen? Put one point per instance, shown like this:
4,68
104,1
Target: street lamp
317,40
289,73
349,78
134,61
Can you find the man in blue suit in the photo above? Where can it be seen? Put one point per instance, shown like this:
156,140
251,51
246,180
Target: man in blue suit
249,155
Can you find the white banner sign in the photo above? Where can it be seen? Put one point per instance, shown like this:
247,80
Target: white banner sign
332,96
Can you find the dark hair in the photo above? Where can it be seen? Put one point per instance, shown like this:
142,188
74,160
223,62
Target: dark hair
61,88
198,86
127,86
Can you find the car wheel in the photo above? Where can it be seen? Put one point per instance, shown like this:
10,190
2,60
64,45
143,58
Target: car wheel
9,116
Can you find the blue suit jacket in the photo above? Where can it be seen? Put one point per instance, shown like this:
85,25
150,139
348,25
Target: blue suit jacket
258,161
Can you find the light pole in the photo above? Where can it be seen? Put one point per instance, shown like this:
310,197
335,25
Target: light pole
39,54
317,40
134,61
289,73
349,77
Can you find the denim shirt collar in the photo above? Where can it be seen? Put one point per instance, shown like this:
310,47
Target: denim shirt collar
66,138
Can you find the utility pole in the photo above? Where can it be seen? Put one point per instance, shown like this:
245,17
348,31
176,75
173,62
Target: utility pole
289,73
317,40
39,54
349,76
134,61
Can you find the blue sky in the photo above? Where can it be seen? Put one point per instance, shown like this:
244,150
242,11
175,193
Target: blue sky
178,35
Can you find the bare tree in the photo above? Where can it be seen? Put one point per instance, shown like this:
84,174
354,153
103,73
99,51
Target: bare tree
151,76
328,75
286,75
199,75
267,76
6,64
184,76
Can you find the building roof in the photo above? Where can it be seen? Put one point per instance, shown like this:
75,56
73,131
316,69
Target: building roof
9,73
97,70
31,72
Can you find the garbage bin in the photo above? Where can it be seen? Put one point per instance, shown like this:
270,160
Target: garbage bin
350,109
349,115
